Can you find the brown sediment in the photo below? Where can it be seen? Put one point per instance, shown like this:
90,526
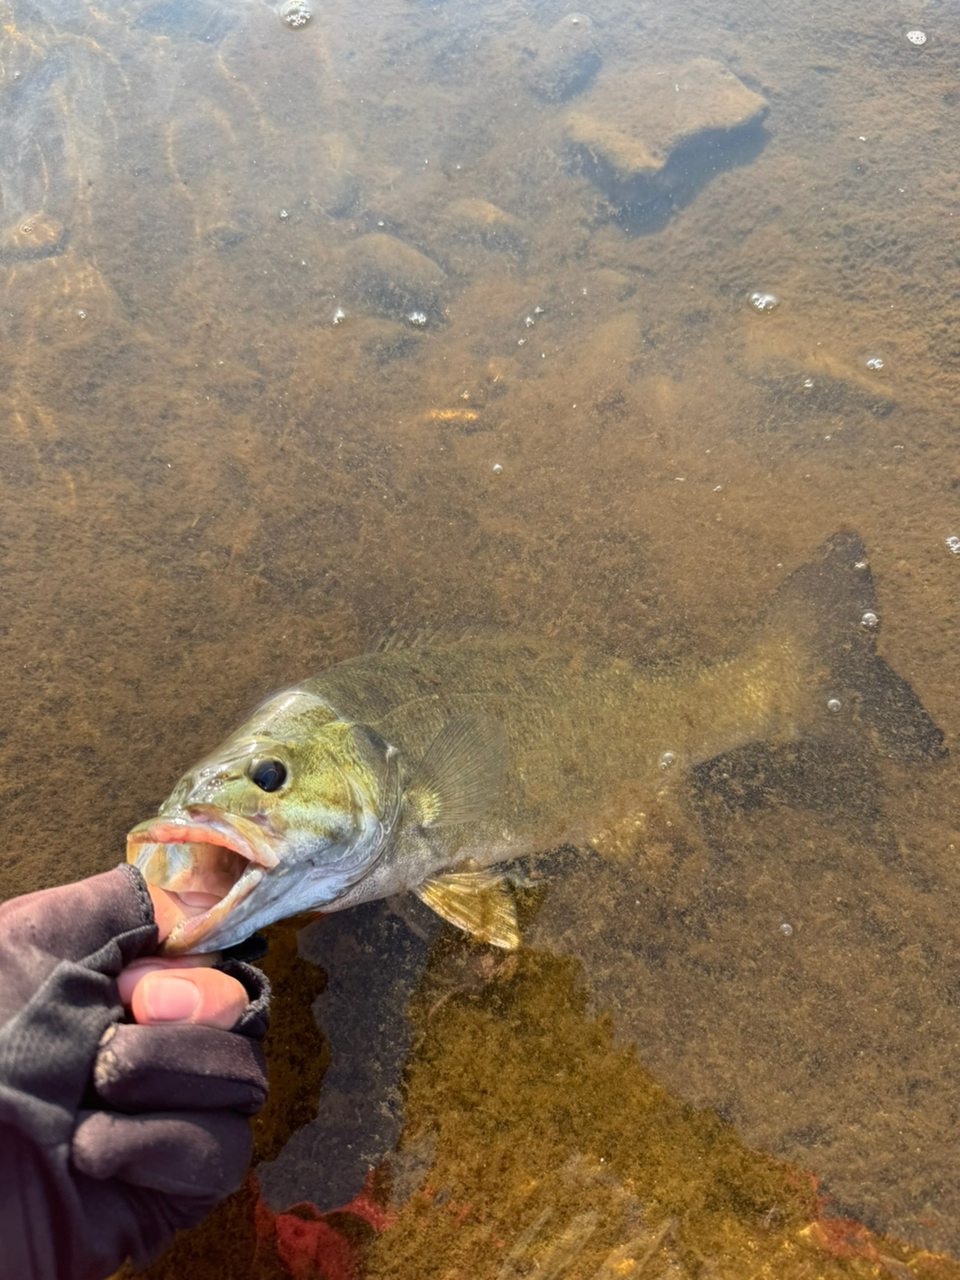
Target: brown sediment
551,1151
557,1152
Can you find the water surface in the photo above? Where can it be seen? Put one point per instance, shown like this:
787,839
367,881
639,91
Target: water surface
312,335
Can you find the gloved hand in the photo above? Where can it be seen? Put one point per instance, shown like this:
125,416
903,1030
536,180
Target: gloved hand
112,1134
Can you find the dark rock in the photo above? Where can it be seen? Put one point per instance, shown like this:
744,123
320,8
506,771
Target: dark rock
393,278
653,146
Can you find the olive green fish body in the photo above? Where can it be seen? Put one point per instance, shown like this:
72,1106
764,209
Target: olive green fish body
423,767
580,730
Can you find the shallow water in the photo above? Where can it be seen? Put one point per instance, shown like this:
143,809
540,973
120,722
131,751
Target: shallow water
213,484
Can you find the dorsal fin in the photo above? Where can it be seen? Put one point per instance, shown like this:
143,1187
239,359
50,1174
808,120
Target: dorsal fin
398,640
395,641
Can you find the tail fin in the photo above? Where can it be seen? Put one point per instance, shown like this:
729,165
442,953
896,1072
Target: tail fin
832,602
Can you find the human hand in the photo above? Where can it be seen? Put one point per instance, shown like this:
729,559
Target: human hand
156,995
113,1134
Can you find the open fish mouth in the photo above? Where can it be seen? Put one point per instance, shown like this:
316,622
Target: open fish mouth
207,861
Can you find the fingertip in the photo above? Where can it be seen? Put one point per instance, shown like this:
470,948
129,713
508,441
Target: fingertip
197,996
137,970
163,996
166,911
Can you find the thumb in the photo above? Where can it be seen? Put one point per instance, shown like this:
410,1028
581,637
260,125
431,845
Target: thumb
185,989
188,995
166,910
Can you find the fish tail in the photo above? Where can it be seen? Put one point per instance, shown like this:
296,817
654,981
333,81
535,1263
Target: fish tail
831,602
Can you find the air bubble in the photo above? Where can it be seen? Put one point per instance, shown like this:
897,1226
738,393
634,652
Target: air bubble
295,13
763,301
786,929
668,760
833,704
497,469
870,621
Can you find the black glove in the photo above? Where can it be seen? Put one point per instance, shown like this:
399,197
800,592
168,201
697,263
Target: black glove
112,1135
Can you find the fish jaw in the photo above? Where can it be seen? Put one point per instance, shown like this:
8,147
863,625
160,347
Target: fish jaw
209,862
227,881
206,824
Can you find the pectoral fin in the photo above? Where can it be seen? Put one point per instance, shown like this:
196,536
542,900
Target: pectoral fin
461,776
478,902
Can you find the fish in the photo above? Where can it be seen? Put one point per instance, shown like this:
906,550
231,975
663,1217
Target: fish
431,767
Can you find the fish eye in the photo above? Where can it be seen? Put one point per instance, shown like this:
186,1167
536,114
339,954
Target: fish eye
268,775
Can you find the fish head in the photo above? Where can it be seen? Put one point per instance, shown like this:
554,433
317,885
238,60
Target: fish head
286,816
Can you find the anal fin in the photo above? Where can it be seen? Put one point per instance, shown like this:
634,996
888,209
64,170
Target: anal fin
479,902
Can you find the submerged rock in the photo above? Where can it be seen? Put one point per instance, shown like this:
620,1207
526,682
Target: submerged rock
36,235
338,167
393,278
652,141
567,59
485,223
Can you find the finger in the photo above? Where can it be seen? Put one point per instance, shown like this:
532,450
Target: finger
196,1068
188,995
176,1153
128,978
166,909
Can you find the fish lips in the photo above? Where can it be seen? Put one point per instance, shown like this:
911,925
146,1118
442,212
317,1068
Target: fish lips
209,861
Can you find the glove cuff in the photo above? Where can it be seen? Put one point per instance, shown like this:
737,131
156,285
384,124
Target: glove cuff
255,1018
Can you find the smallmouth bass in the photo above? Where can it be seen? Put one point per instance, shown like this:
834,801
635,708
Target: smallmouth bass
423,768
